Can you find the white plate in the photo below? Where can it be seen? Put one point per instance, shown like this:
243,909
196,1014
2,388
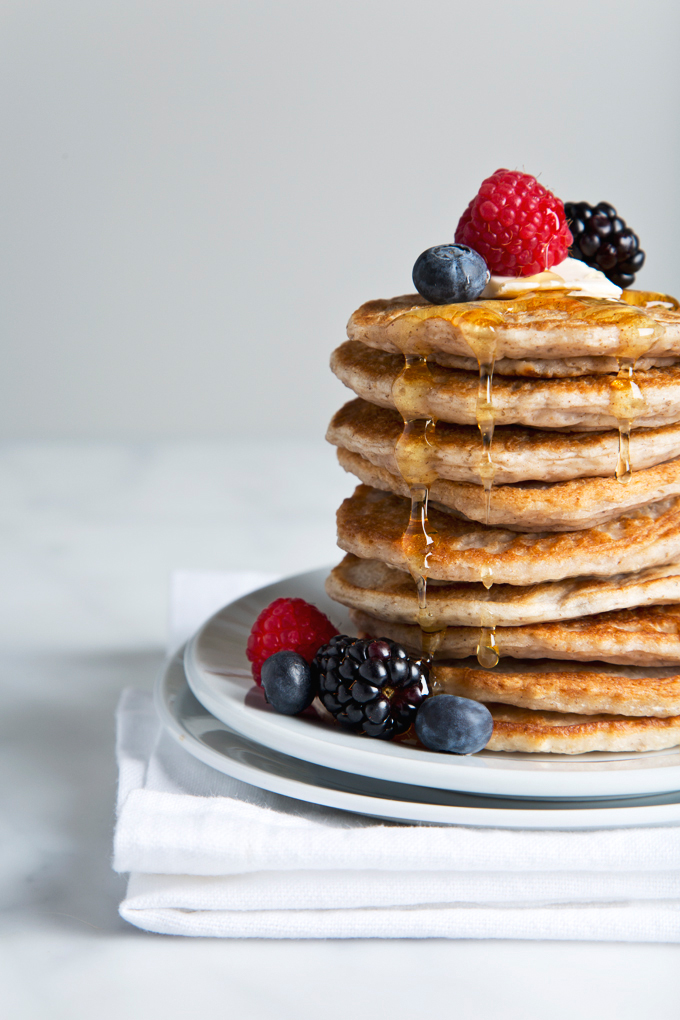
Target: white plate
214,743
219,675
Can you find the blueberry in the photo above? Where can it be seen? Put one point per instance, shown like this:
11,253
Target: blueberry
450,272
447,723
287,682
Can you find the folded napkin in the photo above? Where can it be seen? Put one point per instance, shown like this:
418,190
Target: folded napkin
211,856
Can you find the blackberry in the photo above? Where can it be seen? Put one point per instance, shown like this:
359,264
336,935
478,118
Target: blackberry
603,241
370,685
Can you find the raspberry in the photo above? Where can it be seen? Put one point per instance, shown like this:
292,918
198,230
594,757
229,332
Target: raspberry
516,225
287,625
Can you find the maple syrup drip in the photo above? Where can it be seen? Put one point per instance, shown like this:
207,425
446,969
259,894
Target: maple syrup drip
487,649
485,424
626,403
430,641
416,454
416,542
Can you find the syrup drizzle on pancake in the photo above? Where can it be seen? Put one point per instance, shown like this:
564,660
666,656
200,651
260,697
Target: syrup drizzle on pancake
416,459
416,451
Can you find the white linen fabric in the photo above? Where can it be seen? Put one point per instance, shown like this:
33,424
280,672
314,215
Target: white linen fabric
211,856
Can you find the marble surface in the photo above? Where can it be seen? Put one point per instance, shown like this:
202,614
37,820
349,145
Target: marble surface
90,535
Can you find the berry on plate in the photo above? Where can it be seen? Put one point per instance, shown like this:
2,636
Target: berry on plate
287,625
450,272
287,683
458,725
603,241
516,225
370,685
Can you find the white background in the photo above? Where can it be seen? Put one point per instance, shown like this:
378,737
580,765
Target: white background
195,195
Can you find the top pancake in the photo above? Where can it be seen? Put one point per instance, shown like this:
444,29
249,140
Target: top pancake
537,325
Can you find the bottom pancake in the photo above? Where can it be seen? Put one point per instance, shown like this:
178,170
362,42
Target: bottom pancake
521,729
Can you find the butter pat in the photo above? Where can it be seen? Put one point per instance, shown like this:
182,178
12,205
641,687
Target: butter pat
571,275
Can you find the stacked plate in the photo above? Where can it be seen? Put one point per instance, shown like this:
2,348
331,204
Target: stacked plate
208,702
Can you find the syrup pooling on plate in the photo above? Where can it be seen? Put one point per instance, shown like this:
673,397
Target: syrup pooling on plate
416,454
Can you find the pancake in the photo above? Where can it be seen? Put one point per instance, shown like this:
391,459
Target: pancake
371,524
519,454
528,730
381,591
556,368
579,404
648,636
588,689
565,506
538,325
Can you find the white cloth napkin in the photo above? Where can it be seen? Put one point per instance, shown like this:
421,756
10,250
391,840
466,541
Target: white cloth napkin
212,856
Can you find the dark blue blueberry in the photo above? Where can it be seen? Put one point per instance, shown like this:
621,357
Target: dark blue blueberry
288,684
447,723
449,273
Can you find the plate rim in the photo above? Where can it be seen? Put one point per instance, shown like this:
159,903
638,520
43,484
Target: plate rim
593,817
490,775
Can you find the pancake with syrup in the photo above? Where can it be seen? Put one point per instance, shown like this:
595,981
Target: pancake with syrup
371,524
519,454
553,543
389,595
531,731
532,506
540,325
647,636
583,403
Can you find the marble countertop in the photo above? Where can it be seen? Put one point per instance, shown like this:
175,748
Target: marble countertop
91,533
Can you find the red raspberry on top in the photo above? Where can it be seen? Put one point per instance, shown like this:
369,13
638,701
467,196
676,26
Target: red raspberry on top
516,225
287,625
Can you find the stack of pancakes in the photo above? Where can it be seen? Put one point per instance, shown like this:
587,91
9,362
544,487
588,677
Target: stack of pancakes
571,559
